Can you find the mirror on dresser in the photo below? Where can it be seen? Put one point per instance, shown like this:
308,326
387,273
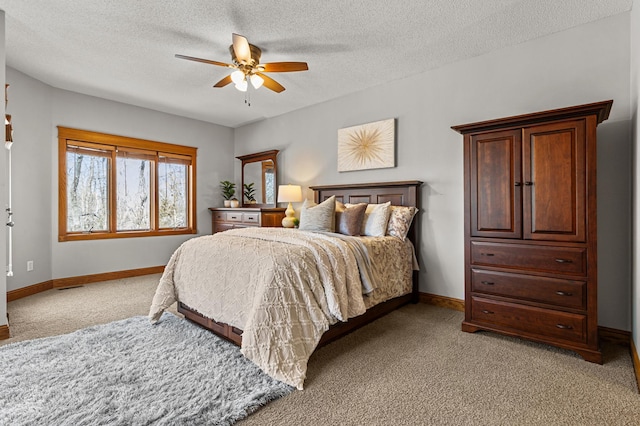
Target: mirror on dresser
261,170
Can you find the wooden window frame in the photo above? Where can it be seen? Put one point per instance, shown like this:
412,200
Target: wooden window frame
74,137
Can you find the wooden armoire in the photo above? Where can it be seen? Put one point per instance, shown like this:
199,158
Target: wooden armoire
530,227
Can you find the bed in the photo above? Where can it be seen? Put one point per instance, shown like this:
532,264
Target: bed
306,288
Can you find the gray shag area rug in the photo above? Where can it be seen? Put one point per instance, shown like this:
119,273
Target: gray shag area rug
130,372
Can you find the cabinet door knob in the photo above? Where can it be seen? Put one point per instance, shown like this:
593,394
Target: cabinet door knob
563,261
487,282
484,311
528,183
564,327
563,293
518,183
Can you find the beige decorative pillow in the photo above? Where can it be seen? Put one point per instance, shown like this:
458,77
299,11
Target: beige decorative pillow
376,218
320,217
400,221
349,219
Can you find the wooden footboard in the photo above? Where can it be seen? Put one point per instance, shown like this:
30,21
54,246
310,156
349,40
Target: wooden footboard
405,193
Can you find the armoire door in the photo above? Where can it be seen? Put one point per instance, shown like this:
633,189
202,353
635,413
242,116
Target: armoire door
554,179
495,179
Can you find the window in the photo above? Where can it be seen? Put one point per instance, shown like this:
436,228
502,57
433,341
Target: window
113,186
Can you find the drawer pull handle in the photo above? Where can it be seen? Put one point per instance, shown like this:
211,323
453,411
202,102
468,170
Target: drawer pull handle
564,327
484,311
564,261
563,293
488,254
487,282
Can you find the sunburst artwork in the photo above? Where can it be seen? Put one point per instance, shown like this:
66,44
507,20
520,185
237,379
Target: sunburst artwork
367,146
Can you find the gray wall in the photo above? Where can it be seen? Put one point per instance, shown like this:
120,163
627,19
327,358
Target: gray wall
30,107
37,110
588,63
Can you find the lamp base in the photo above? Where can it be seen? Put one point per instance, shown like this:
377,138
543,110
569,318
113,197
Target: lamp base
288,220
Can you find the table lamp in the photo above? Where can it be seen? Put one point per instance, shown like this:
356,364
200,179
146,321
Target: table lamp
289,194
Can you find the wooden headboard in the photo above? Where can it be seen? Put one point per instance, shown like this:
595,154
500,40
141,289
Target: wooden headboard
405,193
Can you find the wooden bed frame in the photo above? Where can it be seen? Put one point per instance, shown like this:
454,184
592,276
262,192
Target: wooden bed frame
406,193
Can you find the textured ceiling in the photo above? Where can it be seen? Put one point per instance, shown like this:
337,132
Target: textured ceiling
123,50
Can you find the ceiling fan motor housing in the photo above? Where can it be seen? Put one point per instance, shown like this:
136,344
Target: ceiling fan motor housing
255,56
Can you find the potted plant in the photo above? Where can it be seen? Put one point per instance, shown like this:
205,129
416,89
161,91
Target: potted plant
234,202
249,192
228,191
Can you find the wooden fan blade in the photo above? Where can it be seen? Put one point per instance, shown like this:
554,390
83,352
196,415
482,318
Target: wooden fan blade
205,61
285,66
241,48
271,84
223,82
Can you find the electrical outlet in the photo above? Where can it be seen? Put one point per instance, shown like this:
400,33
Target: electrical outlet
29,265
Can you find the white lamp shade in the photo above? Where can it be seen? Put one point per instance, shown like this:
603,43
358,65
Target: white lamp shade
237,76
256,81
289,193
242,86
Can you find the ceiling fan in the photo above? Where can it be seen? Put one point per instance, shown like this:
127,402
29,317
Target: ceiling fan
246,62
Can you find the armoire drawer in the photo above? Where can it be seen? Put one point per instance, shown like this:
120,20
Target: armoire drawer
554,291
529,319
563,260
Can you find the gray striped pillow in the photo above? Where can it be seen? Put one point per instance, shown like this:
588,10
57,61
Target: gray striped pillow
320,217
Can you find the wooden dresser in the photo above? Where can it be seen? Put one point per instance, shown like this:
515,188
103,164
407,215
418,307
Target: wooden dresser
224,218
530,227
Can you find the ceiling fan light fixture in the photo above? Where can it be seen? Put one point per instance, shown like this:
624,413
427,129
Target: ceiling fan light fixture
256,81
237,77
242,85
245,61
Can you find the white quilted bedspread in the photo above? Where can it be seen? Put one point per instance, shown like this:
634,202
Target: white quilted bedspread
283,287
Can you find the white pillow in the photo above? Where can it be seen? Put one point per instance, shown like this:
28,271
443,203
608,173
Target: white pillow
320,217
376,218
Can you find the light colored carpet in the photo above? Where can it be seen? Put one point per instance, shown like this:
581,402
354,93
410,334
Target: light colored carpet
130,372
412,367
63,311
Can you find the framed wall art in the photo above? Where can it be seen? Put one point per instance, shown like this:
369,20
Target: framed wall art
367,146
